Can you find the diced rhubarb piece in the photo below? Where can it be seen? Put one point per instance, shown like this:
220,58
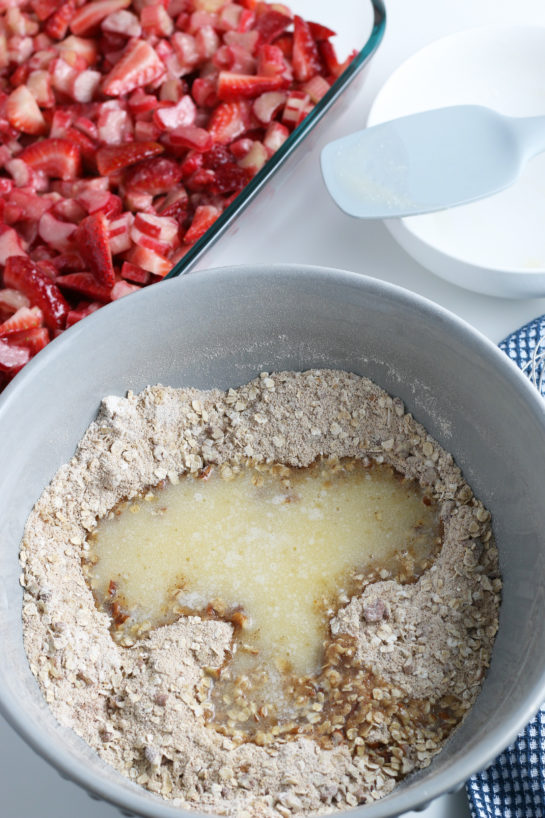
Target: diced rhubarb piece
205,216
306,57
122,288
39,85
153,176
229,120
149,260
12,358
111,158
12,300
93,243
119,232
32,339
84,87
204,92
255,158
23,274
23,112
57,25
75,49
90,15
57,158
176,116
55,233
139,66
131,272
316,88
85,284
10,245
25,318
266,106
175,204
298,105
185,48
114,124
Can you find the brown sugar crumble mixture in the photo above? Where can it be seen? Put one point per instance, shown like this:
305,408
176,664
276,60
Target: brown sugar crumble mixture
406,649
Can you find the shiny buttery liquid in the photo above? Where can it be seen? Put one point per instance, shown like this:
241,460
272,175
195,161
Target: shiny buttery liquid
273,549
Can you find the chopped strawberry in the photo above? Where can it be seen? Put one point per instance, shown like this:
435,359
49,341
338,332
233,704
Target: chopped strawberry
306,58
90,15
111,158
12,300
12,358
85,284
138,66
319,31
57,158
22,274
44,8
133,273
205,216
82,311
189,136
93,243
57,25
32,339
149,260
23,113
56,233
233,87
153,176
176,116
271,24
23,319
229,120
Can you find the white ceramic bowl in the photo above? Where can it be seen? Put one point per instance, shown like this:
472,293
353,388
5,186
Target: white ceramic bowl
495,246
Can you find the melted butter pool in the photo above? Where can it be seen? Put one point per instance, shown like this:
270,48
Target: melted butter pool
273,549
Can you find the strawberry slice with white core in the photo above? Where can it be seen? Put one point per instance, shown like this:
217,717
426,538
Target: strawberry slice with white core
23,112
22,274
232,87
139,66
23,319
32,339
10,244
93,243
111,158
57,158
176,116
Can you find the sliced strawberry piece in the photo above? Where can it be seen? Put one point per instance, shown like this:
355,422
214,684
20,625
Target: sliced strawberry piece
320,32
271,24
12,358
205,216
23,319
138,66
233,87
22,274
85,284
23,113
153,176
82,311
175,116
114,157
57,25
175,205
229,120
93,243
56,233
44,8
57,158
91,15
306,58
32,339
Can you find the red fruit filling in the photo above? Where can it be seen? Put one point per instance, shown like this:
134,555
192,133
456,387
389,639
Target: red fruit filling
126,128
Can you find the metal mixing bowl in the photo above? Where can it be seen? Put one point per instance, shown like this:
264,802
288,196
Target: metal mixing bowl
221,328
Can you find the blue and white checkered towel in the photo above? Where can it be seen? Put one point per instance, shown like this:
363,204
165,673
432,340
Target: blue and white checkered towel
514,785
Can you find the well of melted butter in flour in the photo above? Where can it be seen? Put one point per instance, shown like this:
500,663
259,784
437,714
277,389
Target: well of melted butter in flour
273,549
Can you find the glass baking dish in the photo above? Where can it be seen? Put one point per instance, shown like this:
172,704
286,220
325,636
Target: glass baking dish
355,22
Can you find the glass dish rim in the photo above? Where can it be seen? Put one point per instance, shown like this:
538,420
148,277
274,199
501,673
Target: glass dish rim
249,192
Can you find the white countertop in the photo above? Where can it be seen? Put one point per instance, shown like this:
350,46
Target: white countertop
324,236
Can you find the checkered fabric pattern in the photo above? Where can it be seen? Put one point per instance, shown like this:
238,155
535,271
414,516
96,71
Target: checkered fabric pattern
514,785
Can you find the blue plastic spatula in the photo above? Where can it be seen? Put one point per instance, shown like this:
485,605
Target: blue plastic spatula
429,161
